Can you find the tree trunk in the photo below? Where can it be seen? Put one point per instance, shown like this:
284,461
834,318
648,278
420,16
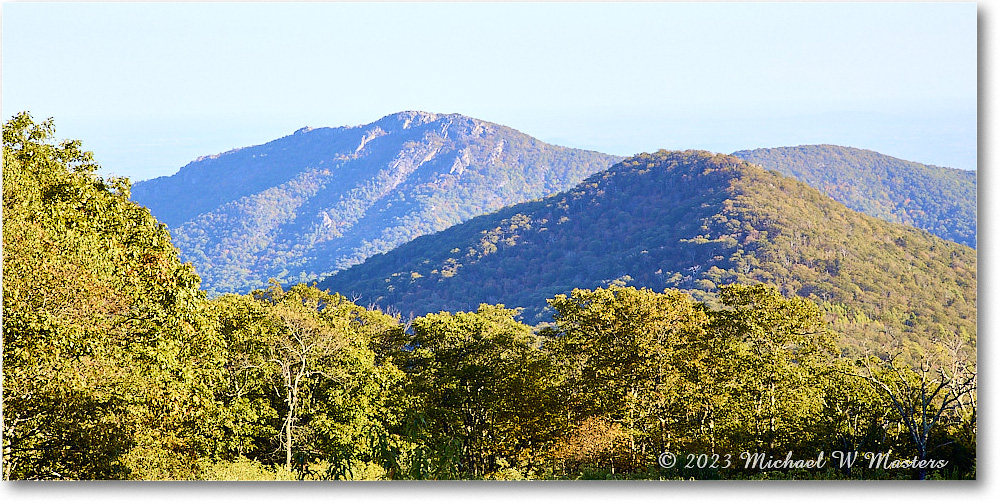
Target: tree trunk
288,431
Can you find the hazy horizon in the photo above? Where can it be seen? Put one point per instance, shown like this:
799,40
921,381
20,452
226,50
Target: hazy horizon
151,87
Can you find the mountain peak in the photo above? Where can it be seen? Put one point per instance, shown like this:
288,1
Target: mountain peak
692,220
321,199
409,118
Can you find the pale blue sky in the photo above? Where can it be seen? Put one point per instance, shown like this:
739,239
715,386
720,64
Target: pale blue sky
149,87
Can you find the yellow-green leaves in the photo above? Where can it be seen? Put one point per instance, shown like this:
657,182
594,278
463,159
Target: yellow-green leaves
479,382
104,345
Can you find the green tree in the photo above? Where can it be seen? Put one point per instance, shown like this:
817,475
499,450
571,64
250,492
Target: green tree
248,420
108,358
479,382
760,375
853,417
303,382
926,398
622,352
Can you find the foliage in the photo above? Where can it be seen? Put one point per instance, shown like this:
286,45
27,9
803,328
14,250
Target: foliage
478,382
244,469
621,353
107,369
760,382
694,221
939,200
323,199
117,366
302,378
759,374
596,443
924,396
687,377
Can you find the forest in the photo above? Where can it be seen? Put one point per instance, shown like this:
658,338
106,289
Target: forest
117,365
693,221
320,200
939,200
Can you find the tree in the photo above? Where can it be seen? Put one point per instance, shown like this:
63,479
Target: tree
301,351
759,380
303,381
621,352
479,382
853,417
248,420
107,356
925,397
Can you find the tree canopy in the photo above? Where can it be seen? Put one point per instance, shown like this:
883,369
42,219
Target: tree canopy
106,360
939,200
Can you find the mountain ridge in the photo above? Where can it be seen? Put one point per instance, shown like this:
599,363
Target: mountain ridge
309,204
321,199
692,220
933,198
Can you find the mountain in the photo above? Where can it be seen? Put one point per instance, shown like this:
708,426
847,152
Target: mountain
323,199
691,220
935,199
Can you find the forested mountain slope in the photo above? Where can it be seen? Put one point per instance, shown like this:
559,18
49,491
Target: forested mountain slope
691,220
935,199
320,200
117,366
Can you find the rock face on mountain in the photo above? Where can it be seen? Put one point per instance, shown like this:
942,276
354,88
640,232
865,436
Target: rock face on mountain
935,199
695,221
320,200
